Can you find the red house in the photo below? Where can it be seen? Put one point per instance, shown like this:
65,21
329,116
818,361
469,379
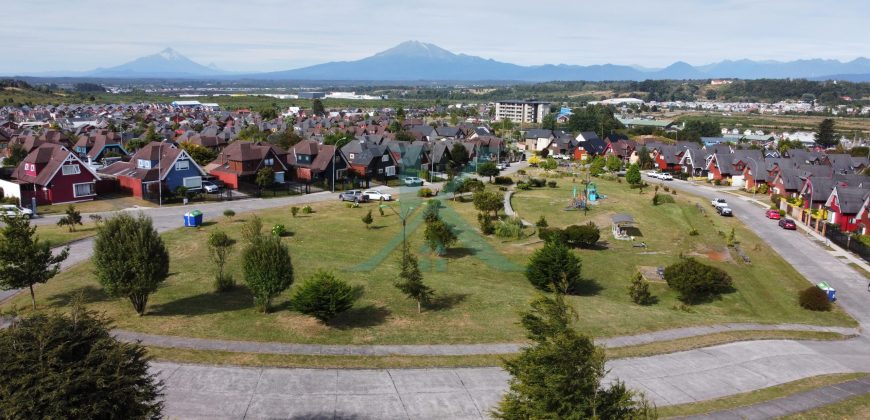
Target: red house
864,218
844,204
53,174
241,160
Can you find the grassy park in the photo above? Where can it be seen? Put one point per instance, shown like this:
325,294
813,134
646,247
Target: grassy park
479,284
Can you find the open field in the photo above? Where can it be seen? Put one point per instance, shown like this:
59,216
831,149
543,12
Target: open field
108,202
766,394
844,125
480,285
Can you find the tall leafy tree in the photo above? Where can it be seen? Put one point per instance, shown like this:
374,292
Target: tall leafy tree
201,155
549,122
560,375
17,153
488,201
130,259
411,280
644,159
317,107
488,169
825,136
458,157
69,366
439,235
268,269
265,177
24,259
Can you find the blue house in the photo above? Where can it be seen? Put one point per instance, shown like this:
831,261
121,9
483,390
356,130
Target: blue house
100,144
156,168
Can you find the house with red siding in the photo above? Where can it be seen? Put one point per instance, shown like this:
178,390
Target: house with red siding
241,160
157,168
53,174
864,218
844,204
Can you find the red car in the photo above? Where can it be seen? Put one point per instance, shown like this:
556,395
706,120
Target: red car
772,214
787,224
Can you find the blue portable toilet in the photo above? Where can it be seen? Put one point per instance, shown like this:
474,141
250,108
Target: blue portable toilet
830,291
193,218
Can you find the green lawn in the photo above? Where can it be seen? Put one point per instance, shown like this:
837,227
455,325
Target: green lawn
109,202
852,408
480,284
59,235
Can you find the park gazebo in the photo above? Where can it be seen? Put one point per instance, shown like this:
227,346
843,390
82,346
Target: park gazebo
619,222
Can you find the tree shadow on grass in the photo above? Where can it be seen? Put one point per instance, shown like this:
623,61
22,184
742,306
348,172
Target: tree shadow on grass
360,317
445,301
206,303
586,287
456,253
90,294
208,223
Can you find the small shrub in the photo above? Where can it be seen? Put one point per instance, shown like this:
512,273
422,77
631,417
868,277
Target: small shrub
367,219
542,222
762,189
510,228
582,236
548,234
381,211
673,192
639,292
229,213
96,218
424,192
667,188
782,213
294,211
662,199
814,299
717,182
693,232
279,230
503,180
551,184
523,186
537,182
775,199
323,296
502,188
521,172
487,227
307,210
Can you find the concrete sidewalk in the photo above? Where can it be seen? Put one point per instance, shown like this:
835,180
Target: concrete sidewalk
793,404
195,391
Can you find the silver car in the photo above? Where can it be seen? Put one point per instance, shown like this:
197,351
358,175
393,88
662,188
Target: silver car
13,210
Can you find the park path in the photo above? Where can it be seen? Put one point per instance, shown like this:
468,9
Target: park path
449,349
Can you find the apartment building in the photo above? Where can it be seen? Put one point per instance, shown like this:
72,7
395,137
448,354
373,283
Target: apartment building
528,111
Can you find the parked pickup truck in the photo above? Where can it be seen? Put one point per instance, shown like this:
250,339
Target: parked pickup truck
719,202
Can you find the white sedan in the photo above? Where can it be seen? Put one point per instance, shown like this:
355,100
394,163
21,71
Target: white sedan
13,210
375,195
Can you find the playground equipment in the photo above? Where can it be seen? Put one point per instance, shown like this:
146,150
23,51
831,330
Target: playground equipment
589,196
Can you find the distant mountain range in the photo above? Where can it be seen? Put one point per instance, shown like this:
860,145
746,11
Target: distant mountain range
418,61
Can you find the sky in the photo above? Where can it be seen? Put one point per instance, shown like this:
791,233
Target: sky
270,35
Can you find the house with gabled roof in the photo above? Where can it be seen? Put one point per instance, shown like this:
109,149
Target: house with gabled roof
845,203
240,161
370,161
98,144
157,168
53,174
309,162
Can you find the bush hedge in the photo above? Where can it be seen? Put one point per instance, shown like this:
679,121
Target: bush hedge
503,180
814,299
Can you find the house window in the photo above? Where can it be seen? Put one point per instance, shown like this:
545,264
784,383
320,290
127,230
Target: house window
182,165
83,190
143,164
269,161
391,171
350,156
71,169
340,173
385,158
192,182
